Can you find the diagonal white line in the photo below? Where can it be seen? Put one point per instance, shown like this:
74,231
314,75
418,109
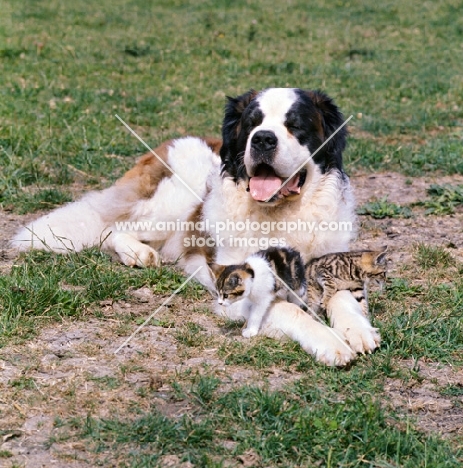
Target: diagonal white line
138,137
157,310
308,159
311,311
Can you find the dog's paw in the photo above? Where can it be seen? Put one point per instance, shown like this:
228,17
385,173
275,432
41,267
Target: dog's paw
250,332
333,350
347,317
143,256
326,344
363,338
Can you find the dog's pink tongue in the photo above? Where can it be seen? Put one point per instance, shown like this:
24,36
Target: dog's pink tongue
263,187
292,186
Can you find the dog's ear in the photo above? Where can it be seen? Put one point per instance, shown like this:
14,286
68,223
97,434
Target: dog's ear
230,131
331,120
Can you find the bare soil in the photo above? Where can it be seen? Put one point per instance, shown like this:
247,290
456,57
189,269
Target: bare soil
70,369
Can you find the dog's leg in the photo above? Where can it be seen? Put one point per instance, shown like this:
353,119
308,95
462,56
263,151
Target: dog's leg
198,264
131,251
69,228
346,316
326,344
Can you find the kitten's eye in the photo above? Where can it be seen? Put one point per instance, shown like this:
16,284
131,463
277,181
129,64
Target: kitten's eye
225,296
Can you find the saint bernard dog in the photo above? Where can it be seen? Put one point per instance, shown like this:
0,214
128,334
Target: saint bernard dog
279,180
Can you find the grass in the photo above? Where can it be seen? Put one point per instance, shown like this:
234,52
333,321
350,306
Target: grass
165,68
5,454
443,199
302,425
191,335
428,256
264,353
46,287
427,321
322,416
382,208
62,85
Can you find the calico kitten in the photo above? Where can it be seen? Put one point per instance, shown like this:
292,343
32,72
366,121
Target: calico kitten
345,270
257,283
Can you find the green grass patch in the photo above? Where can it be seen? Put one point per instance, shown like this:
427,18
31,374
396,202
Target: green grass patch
452,390
23,383
106,383
192,335
204,388
304,425
443,155
429,256
68,68
262,353
382,208
443,199
5,454
45,286
45,199
421,312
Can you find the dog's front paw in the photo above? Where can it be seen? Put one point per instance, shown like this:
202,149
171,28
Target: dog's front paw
363,338
330,348
327,345
250,332
346,316
143,256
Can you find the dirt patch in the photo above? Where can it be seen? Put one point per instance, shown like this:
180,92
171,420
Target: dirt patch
398,188
401,234
70,369
9,224
433,399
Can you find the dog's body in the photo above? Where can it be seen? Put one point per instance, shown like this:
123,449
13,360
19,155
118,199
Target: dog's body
270,172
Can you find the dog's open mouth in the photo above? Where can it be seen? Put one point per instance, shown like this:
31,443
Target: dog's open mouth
266,186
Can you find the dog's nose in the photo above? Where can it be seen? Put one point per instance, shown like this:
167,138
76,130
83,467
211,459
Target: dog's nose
264,140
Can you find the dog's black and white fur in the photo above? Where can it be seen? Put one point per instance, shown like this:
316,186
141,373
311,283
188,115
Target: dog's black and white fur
271,170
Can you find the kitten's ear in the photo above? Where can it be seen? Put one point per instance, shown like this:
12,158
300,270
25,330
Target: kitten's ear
369,260
374,258
248,269
215,270
380,256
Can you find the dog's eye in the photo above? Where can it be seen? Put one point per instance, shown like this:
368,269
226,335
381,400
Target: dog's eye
255,122
293,126
254,118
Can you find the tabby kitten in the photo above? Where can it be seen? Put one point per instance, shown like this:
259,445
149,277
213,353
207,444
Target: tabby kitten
345,270
256,283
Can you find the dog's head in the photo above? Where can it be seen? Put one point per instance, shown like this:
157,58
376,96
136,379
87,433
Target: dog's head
273,138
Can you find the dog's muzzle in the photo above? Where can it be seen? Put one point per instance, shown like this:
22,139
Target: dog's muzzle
266,186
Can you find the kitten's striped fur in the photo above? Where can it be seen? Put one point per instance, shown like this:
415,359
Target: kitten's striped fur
345,270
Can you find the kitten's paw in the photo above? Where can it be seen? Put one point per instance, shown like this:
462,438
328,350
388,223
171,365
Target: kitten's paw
236,311
249,332
363,338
